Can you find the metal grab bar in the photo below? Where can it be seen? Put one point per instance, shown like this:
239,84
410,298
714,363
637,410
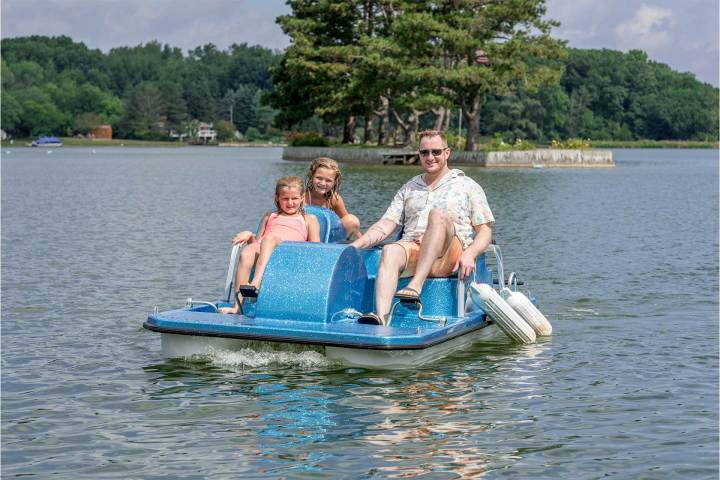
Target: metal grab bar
191,303
499,261
232,268
441,320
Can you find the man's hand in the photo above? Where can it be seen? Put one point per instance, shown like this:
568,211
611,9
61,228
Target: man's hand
375,234
465,265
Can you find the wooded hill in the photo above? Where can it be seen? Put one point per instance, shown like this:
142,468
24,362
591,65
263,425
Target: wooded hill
60,87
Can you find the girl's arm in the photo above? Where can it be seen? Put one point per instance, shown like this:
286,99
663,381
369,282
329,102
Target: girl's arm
263,223
247,235
313,228
338,205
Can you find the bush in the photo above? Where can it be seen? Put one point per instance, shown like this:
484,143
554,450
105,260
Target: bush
306,139
252,134
455,142
571,144
498,145
225,130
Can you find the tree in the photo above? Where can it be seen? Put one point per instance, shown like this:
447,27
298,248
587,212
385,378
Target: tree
469,49
38,114
225,130
11,112
245,102
315,76
144,112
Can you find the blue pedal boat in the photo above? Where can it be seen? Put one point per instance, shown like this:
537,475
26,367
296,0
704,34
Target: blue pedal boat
43,141
312,295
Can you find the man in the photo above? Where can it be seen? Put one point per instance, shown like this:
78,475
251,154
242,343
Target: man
439,212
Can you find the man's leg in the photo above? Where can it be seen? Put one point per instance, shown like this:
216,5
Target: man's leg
438,235
391,263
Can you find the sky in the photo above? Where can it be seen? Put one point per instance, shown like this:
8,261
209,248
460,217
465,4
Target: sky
680,33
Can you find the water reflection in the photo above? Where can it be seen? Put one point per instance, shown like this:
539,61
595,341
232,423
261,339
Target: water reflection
434,420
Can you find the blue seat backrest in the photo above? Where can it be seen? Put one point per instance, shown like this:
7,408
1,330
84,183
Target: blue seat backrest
331,228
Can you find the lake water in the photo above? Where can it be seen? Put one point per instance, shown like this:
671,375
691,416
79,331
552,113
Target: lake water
623,261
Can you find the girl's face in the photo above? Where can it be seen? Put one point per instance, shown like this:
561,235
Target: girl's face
290,200
323,180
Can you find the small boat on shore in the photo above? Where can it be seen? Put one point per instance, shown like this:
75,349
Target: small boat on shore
43,141
312,294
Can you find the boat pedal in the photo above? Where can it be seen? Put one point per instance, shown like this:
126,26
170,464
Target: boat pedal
370,319
239,303
408,302
248,291
408,299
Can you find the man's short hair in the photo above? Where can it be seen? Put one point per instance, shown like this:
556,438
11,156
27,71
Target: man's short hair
432,133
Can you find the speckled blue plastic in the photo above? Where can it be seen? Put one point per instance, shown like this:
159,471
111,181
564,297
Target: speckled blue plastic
310,282
311,290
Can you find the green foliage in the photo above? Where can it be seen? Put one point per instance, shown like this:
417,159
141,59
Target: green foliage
143,119
144,91
252,134
571,144
85,122
225,130
455,142
497,144
306,139
398,63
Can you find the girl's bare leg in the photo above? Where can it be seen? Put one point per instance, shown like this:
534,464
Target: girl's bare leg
266,249
248,256
352,226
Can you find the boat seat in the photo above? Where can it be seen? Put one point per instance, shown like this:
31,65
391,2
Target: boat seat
439,294
331,228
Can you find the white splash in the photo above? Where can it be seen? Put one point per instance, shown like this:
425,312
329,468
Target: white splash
259,354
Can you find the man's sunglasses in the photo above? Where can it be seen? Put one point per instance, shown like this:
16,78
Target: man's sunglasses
435,151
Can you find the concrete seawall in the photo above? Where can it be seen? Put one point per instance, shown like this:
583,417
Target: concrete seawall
539,158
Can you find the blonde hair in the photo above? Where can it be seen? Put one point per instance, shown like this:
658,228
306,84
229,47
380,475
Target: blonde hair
290,182
433,133
330,164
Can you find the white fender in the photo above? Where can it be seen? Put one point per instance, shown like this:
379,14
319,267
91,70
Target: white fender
529,312
498,309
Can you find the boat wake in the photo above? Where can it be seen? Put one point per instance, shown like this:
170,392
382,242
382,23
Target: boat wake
261,354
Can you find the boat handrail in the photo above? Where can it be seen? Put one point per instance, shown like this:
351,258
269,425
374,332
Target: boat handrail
512,281
499,261
232,267
190,303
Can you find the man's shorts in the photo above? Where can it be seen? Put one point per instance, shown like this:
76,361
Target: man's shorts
441,267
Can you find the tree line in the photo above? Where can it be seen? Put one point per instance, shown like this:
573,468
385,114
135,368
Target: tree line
414,63
55,85
361,71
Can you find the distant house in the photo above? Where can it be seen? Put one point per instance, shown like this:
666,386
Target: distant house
206,133
102,131
177,136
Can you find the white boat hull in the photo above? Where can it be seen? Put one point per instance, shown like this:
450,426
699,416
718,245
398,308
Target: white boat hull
185,346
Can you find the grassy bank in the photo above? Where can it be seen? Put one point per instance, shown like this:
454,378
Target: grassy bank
86,142
652,144
489,147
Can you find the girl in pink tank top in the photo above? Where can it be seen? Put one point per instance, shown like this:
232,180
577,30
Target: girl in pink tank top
287,227
288,223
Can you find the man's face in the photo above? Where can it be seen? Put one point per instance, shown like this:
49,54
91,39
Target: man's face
429,147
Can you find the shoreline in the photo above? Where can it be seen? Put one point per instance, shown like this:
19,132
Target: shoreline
599,144
538,158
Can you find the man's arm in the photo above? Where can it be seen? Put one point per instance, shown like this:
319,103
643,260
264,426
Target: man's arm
466,264
375,234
